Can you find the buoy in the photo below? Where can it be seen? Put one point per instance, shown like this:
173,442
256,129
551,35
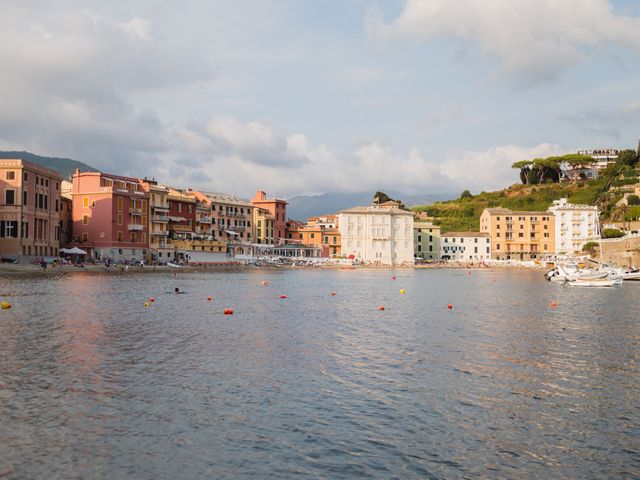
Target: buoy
468,273
381,308
265,283
393,278
152,299
209,299
553,304
402,291
333,294
228,311
146,304
5,305
449,306
283,296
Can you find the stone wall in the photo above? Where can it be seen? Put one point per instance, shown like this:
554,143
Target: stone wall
622,252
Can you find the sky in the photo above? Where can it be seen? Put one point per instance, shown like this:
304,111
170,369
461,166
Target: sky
305,97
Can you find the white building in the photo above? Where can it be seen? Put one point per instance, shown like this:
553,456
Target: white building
379,234
603,156
465,246
575,225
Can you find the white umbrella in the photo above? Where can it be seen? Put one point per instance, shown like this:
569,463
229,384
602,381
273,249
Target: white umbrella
76,251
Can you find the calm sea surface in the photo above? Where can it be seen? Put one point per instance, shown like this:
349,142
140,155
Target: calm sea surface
95,385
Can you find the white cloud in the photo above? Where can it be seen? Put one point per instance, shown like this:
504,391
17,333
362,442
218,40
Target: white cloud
533,39
234,156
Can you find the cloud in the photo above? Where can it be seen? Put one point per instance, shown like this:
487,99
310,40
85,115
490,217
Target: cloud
69,80
534,40
606,122
239,157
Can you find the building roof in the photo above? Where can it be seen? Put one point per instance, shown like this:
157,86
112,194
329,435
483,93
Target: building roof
19,163
180,196
465,234
375,209
227,198
506,211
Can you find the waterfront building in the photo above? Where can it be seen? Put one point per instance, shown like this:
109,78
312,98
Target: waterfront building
465,246
380,234
518,235
426,241
29,209
575,225
264,226
232,222
278,209
161,248
320,232
110,215
66,216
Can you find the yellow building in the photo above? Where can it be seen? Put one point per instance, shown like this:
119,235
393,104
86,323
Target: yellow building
263,226
161,248
519,235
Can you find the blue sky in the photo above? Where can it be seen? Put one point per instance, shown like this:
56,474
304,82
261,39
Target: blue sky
420,96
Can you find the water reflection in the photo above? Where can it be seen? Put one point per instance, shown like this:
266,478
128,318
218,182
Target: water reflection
94,385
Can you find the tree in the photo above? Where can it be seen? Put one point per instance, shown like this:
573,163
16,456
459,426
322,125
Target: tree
547,169
466,195
627,157
381,197
620,213
577,161
525,168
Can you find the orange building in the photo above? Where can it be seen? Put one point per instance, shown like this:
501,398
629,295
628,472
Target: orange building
319,232
278,209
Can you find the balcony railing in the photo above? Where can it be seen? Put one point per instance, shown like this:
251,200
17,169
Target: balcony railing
135,227
135,211
157,233
160,218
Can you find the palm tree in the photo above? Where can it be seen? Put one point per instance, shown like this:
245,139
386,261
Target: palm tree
620,212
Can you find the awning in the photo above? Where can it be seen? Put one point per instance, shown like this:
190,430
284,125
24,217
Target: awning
74,250
231,233
177,219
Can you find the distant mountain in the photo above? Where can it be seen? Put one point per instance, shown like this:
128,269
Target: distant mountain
64,166
304,206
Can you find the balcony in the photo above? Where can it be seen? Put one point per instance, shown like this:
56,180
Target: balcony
160,207
205,219
160,218
135,211
181,228
135,227
158,233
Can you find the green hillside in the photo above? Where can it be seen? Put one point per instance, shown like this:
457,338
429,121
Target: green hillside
464,213
64,166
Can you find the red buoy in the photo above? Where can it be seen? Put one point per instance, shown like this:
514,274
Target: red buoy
449,306
381,308
393,278
228,311
152,299
209,298
283,296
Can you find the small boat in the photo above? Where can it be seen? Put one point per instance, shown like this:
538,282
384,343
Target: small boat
631,275
173,265
599,282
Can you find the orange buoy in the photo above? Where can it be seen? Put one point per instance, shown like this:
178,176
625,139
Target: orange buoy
449,306
381,308
228,311
283,296
553,304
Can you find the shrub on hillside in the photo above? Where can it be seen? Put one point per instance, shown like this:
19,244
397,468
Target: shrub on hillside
612,233
633,200
590,247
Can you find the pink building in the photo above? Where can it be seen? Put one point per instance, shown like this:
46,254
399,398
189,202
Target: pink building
29,210
278,209
110,215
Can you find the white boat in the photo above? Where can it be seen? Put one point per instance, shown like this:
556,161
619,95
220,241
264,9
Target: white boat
631,275
173,265
563,273
600,282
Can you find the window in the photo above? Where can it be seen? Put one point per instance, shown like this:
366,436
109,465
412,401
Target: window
85,219
9,229
85,237
25,176
85,202
10,176
119,237
119,205
10,196
120,217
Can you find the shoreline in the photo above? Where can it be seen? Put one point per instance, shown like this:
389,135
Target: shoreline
30,270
